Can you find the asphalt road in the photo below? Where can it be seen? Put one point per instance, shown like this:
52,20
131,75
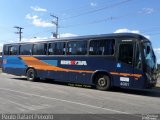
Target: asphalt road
20,96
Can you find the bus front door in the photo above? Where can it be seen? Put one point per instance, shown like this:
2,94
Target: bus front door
124,66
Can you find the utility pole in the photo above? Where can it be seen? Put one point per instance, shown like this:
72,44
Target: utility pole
19,32
55,21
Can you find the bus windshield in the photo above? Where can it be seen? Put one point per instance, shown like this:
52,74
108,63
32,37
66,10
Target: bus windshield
149,55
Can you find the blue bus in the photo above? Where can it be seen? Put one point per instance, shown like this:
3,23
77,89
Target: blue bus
0,59
123,60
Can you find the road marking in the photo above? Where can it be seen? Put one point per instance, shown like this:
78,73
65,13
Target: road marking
27,107
67,101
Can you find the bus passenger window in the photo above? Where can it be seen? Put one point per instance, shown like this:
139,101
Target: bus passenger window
102,47
57,48
26,49
77,48
40,49
126,53
13,50
5,50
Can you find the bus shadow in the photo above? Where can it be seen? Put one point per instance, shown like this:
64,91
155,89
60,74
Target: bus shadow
155,92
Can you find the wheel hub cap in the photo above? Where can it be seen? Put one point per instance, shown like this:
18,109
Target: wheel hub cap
102,82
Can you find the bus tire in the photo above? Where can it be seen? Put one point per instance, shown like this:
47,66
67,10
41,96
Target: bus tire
31,75
103,82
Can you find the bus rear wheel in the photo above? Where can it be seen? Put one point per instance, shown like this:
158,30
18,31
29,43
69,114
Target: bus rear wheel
103,82
31,75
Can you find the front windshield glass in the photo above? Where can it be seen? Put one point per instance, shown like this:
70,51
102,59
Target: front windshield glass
149,55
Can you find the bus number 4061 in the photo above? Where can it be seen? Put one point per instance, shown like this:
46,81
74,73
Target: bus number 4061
126,84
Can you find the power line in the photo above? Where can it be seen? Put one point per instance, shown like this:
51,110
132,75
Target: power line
101,20
82,7
38,33
92,11
97,10
104,20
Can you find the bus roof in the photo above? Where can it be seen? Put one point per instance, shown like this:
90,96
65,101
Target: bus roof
112,35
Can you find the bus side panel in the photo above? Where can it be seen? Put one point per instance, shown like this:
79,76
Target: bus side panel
76,73
93,63
65,76
102,64
72,77
14,65
139,83
126,76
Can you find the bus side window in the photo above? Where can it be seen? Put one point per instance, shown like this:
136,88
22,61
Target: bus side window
77,48
26,49
57,48
6,50
138,59
40,49
126,53
50,49
13,50
102,47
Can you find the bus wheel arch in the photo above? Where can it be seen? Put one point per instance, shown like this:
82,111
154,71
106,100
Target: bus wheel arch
31,74
102,80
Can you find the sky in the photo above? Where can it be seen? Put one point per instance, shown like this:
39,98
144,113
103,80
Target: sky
79,17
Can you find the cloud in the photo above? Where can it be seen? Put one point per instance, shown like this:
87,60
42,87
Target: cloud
157,52
92,4
67,35
34,39
125,30
38,22
1,46
28,16
38,9
46,38
147,10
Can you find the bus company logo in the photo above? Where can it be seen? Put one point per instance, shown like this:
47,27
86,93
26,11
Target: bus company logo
73,62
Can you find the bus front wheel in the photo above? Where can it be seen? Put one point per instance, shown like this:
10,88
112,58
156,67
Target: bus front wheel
103,82
31,75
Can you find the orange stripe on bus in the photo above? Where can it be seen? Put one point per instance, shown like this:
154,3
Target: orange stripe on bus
126,74
37,64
